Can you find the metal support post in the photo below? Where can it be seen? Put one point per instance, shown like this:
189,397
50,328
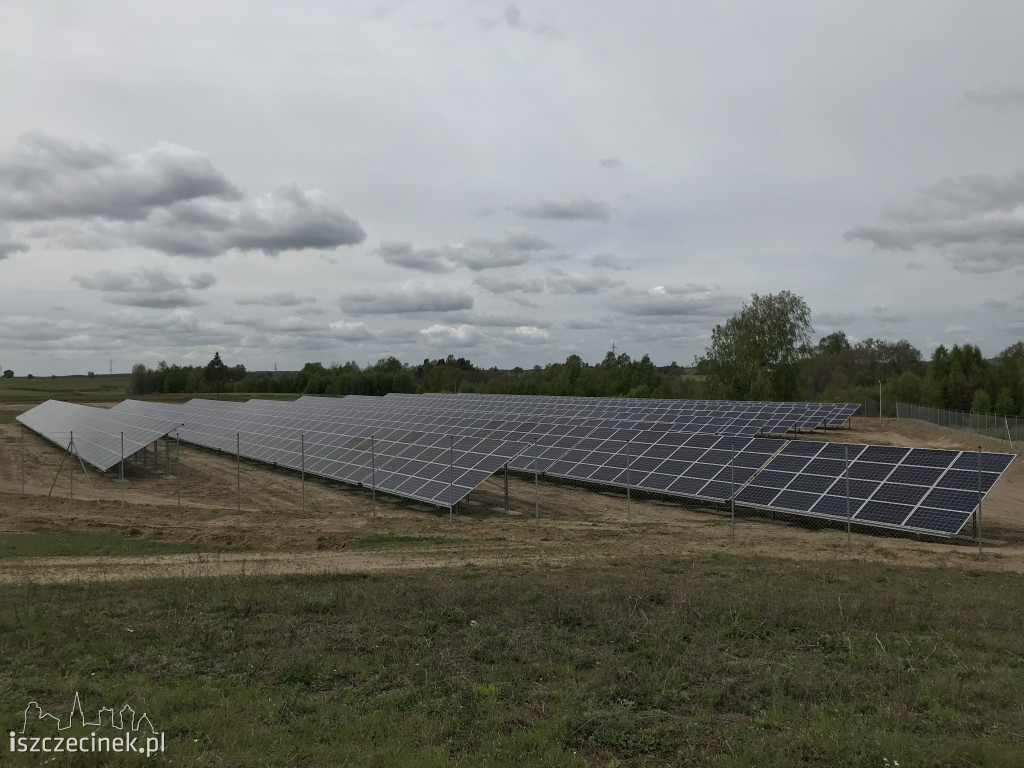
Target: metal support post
373,474
82,465
506,487
238,470
978,513
629,510
121,470
451,474
302,459
71,466
177,467
846,451
57,476
23,461
879,400
732,490
536,489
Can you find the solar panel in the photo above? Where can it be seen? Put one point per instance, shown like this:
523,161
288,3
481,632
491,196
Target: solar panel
438,447
102,438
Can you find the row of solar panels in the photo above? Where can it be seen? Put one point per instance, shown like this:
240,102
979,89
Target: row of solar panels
433,449
100,437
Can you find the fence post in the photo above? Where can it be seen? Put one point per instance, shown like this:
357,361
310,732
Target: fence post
536,489
177,466
373,475
121,470
732,490
302,465
629,511
506,487
238,470
451,472
71,465
23,460
846,451
980,554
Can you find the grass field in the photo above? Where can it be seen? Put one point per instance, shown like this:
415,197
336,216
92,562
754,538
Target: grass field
716,660
77,388
90,545
83,389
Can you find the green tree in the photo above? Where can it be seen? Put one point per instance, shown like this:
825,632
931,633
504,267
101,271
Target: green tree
1004,403
216,373
759,353
981,403
8,374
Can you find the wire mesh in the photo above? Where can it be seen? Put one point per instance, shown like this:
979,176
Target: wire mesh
1006,431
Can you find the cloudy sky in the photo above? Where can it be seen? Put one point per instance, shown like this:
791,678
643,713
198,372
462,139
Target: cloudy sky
512,183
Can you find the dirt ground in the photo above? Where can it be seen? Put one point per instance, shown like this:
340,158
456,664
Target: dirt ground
272,523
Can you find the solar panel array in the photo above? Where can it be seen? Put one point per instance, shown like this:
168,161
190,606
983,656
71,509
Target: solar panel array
409,457
97,432
437,448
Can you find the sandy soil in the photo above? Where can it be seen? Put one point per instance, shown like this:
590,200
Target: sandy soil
284,534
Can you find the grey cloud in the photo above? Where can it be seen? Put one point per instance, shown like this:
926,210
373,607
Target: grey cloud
496,320
146,288
513,19
201,281
37,332
604,261
610,162
168,198
579,209
402,254
48,178
7,247
293,219
885,315
275,299
996,304
588,325
477,254
1006,95
509,284
291,324
974,221
833,319
513,250
410,298
457,336
690,300
576,283
350,331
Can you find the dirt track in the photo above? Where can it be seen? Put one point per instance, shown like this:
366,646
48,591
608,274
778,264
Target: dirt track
324,537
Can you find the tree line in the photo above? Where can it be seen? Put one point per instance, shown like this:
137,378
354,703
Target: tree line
764,352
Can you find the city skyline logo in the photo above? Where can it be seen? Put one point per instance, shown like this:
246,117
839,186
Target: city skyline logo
139,735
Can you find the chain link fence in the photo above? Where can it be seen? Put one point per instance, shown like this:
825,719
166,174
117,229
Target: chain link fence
1008,431
170,477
